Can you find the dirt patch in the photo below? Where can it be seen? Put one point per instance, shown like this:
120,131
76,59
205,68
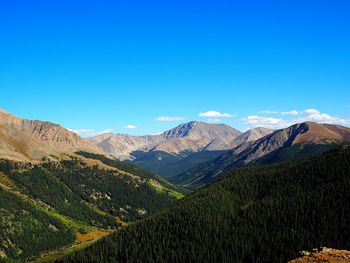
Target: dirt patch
325,255
93,235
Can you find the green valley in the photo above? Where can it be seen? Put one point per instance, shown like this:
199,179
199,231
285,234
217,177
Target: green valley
72,201
262,214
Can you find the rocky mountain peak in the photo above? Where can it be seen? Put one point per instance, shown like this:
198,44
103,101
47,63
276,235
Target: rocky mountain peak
23,139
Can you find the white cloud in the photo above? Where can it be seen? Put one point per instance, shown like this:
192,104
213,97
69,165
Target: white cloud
312,115
169,118
268,112
316,116
268,122
157,133
213,120
311,111
292,112
89,133
130,126
215,114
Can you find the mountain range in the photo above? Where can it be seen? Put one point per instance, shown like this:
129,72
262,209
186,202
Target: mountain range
295,142
179,149
195,153
185,138
59,191
190,155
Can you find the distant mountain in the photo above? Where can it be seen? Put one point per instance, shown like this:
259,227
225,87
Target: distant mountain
260,214
27,140
295,142
179,149
185,138
173,151
122,146
253,135
195,136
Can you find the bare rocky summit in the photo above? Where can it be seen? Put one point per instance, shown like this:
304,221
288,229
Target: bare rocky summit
30,140
297,141
302,133
189,137
253,135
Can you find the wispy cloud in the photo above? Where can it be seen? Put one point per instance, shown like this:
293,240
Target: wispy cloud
267,122
130,126
291,112
317,116
215,114
157,133
310,114
210,120
311,111
268,112
89,132
169,118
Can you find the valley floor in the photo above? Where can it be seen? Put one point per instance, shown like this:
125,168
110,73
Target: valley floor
82,241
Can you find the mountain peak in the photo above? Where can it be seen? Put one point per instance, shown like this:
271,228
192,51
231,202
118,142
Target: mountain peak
180,131
23,139
192,136
253,134
3,111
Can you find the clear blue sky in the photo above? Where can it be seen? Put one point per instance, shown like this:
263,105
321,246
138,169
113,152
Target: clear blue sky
108,64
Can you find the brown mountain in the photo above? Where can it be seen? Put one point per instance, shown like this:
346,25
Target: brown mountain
30,140
253,135
295,142
189,137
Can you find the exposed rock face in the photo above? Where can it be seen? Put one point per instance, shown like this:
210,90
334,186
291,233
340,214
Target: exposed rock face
297,141
26,140
325,255
122,145
253,135
189,137
302,133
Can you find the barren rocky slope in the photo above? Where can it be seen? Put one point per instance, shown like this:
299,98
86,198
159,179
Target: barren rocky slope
28,140
295,142
189,137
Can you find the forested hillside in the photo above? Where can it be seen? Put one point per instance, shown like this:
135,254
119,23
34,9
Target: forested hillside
262,214
44,206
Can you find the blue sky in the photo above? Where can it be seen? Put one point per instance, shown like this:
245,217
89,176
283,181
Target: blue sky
98,65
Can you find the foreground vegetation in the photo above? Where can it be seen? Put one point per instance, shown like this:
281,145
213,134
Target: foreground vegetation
56,204
262,214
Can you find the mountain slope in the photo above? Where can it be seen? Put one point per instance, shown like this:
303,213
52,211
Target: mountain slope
20,219
253,135
189,137
170,165
297,141
28,140
174,151
80,194
262,214
195,136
